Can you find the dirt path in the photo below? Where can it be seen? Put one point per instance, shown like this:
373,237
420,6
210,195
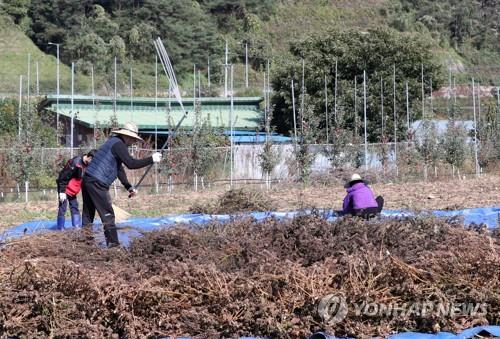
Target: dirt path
450,194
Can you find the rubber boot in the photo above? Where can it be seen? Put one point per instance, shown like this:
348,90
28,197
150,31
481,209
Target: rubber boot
380,203
60,223
111,236
76,220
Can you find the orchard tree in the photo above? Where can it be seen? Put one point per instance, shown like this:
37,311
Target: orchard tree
25,162
376,52
204,141
307,129
454,146
489,135
427,144
268,157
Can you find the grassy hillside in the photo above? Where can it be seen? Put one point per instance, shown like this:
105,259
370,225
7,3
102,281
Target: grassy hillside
14,49
269,36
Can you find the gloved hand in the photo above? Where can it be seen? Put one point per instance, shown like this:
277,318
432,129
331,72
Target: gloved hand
62,197
132,192
157,157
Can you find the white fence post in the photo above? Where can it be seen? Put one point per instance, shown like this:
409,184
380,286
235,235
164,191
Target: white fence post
156,178
26,190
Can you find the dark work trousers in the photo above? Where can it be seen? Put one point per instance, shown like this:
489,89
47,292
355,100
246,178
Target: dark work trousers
96,197
73,206
368,213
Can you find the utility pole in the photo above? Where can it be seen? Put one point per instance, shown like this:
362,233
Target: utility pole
326,109
267,102
57,96
156,121
131,97
407,107
232,126
432,104
395,118
382,104
246,65
449,90
268,86
93,104
37,80
57,93
208,73
194,86
295,140
454,92
302,103
364,112
199,85
156,101
294,115
479,103
264,92
93,87
475,127
20,108
29,82
355,108
335,95
423,92
114,96
72,105
225,71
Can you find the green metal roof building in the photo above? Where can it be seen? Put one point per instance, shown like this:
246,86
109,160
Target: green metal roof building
150,114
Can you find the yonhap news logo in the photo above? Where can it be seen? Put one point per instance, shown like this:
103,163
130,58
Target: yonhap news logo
334,309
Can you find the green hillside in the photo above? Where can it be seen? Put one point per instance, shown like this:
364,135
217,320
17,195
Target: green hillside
463,35
14,49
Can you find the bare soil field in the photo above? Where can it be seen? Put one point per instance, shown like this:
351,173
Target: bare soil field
445,194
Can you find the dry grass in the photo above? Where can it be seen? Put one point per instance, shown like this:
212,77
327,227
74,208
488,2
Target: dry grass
234,201
445,194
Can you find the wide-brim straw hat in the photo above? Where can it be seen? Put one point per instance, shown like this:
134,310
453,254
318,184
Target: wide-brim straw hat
354,177
129,129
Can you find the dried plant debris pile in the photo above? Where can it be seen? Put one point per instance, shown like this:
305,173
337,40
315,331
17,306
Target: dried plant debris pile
237,200
247,278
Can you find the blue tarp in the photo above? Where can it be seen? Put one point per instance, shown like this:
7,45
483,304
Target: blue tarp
133,227
469,333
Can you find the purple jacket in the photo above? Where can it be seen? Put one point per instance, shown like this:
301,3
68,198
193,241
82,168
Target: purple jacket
358,196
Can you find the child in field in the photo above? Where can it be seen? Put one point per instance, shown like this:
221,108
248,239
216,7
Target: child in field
69,184
360,200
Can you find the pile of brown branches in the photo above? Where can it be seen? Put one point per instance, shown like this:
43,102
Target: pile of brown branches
237,200
247,278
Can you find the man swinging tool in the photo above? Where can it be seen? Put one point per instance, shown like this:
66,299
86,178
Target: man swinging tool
103,171
69,183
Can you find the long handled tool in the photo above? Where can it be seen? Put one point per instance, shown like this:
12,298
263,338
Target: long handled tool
169,71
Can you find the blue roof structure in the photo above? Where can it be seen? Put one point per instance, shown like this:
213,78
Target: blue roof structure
242,137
